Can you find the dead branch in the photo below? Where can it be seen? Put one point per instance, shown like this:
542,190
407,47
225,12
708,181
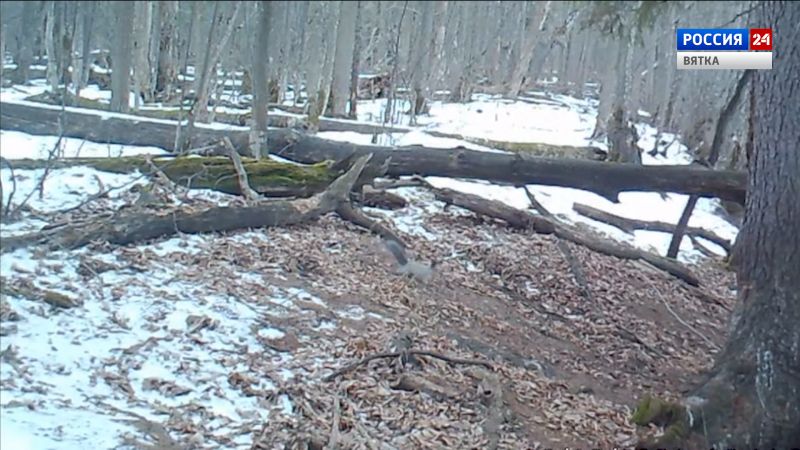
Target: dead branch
244,184
448,359
134,226
629,225
524,220
356,217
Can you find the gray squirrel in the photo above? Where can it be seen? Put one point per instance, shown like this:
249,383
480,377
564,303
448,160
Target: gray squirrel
415,269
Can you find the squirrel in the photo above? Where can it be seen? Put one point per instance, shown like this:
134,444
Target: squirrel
415,269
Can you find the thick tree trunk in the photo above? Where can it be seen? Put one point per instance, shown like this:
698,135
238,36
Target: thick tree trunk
604,179
751,397
24,57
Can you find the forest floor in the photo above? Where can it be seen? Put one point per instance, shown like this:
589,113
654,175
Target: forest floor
226,340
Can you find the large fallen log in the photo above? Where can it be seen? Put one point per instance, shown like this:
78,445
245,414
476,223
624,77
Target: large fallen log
604,179
267,177
629,225
134,225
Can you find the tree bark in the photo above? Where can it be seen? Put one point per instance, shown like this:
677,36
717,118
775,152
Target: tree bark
352,112
751,397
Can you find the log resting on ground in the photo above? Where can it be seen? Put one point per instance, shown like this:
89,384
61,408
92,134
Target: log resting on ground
127,227
605,179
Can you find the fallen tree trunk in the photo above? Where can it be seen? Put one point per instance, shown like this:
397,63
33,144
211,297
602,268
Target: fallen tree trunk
524,220
267,177
629,225
604,179
137,226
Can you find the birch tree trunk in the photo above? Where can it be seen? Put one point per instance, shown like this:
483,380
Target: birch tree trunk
343,59
261,95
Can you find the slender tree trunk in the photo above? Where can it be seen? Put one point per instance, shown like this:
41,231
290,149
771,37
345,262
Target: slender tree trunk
343,59
751,398
720,131
121,56
352,112
535,18
167,50
261,93
141,52
50,45
223,26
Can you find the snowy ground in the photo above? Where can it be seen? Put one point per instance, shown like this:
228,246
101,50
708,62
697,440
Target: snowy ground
153,333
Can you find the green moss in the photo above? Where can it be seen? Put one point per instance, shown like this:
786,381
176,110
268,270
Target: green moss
670,415
217,173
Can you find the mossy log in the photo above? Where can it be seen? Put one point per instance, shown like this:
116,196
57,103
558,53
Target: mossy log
267,177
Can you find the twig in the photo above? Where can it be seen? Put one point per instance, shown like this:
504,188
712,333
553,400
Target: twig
682,322
5,212
244,184
448,359
573,262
